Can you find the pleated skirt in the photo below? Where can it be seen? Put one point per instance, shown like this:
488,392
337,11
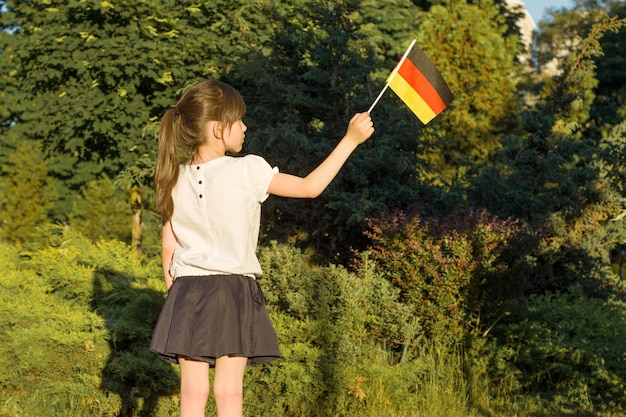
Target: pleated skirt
206,317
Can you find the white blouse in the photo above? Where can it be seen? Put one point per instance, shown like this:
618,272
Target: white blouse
217,215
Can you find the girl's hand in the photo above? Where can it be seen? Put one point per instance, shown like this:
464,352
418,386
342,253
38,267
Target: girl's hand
360,128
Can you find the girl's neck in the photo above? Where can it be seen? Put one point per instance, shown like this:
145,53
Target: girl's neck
206,154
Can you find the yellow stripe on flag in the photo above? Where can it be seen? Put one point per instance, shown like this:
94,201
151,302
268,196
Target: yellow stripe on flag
412,99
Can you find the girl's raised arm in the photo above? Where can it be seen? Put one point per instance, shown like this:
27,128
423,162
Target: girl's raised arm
359,130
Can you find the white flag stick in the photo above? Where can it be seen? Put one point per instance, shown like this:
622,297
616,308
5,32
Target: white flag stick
393,74
378,98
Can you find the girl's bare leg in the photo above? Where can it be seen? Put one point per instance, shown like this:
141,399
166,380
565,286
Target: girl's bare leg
194,387
228,385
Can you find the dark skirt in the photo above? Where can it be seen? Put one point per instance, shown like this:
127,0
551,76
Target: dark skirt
206,317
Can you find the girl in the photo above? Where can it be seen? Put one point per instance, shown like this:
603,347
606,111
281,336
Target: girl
214,314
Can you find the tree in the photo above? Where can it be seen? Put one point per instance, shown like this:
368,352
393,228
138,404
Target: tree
85,78
84,83
468,44
27,195
609,108
89,78
98,209
561,181
301,95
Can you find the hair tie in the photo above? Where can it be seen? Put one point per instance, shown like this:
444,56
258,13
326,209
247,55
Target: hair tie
176,113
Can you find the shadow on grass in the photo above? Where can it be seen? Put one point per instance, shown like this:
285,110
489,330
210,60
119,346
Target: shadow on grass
130,310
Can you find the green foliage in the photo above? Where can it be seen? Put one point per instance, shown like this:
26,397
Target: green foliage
289,104
389,25
332,324
77,318
301,94
574,95
27,195
561,183
98,210
460,273
469,45
569,193
85,87
87,77
609,108
571,349
76,321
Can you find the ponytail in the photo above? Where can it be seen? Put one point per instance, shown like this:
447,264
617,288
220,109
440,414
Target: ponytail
167,165
184,126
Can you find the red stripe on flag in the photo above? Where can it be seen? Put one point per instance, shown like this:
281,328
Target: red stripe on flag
414,77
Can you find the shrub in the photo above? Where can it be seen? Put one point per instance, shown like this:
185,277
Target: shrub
76,323
571,349
461,273
332,326
79,346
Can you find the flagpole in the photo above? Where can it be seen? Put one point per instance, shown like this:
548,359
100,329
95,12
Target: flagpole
393,74
378,98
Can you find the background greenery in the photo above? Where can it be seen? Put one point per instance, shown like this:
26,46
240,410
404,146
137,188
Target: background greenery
465,268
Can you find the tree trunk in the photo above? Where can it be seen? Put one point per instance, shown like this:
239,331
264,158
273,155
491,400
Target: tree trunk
135,202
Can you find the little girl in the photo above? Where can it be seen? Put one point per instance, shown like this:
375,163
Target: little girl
214,314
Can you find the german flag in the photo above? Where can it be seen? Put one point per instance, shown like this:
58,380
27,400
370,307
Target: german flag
418,83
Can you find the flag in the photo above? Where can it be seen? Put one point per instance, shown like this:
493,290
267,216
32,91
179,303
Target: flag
418,83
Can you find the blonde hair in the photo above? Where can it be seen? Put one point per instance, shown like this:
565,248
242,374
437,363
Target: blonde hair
184,126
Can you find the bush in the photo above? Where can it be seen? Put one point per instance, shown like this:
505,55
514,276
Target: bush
77,319
76,324
333,325
571,350
461,273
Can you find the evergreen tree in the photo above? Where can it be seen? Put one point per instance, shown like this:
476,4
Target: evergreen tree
468,44
27,195
98,210
609,108
300,98
564,185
